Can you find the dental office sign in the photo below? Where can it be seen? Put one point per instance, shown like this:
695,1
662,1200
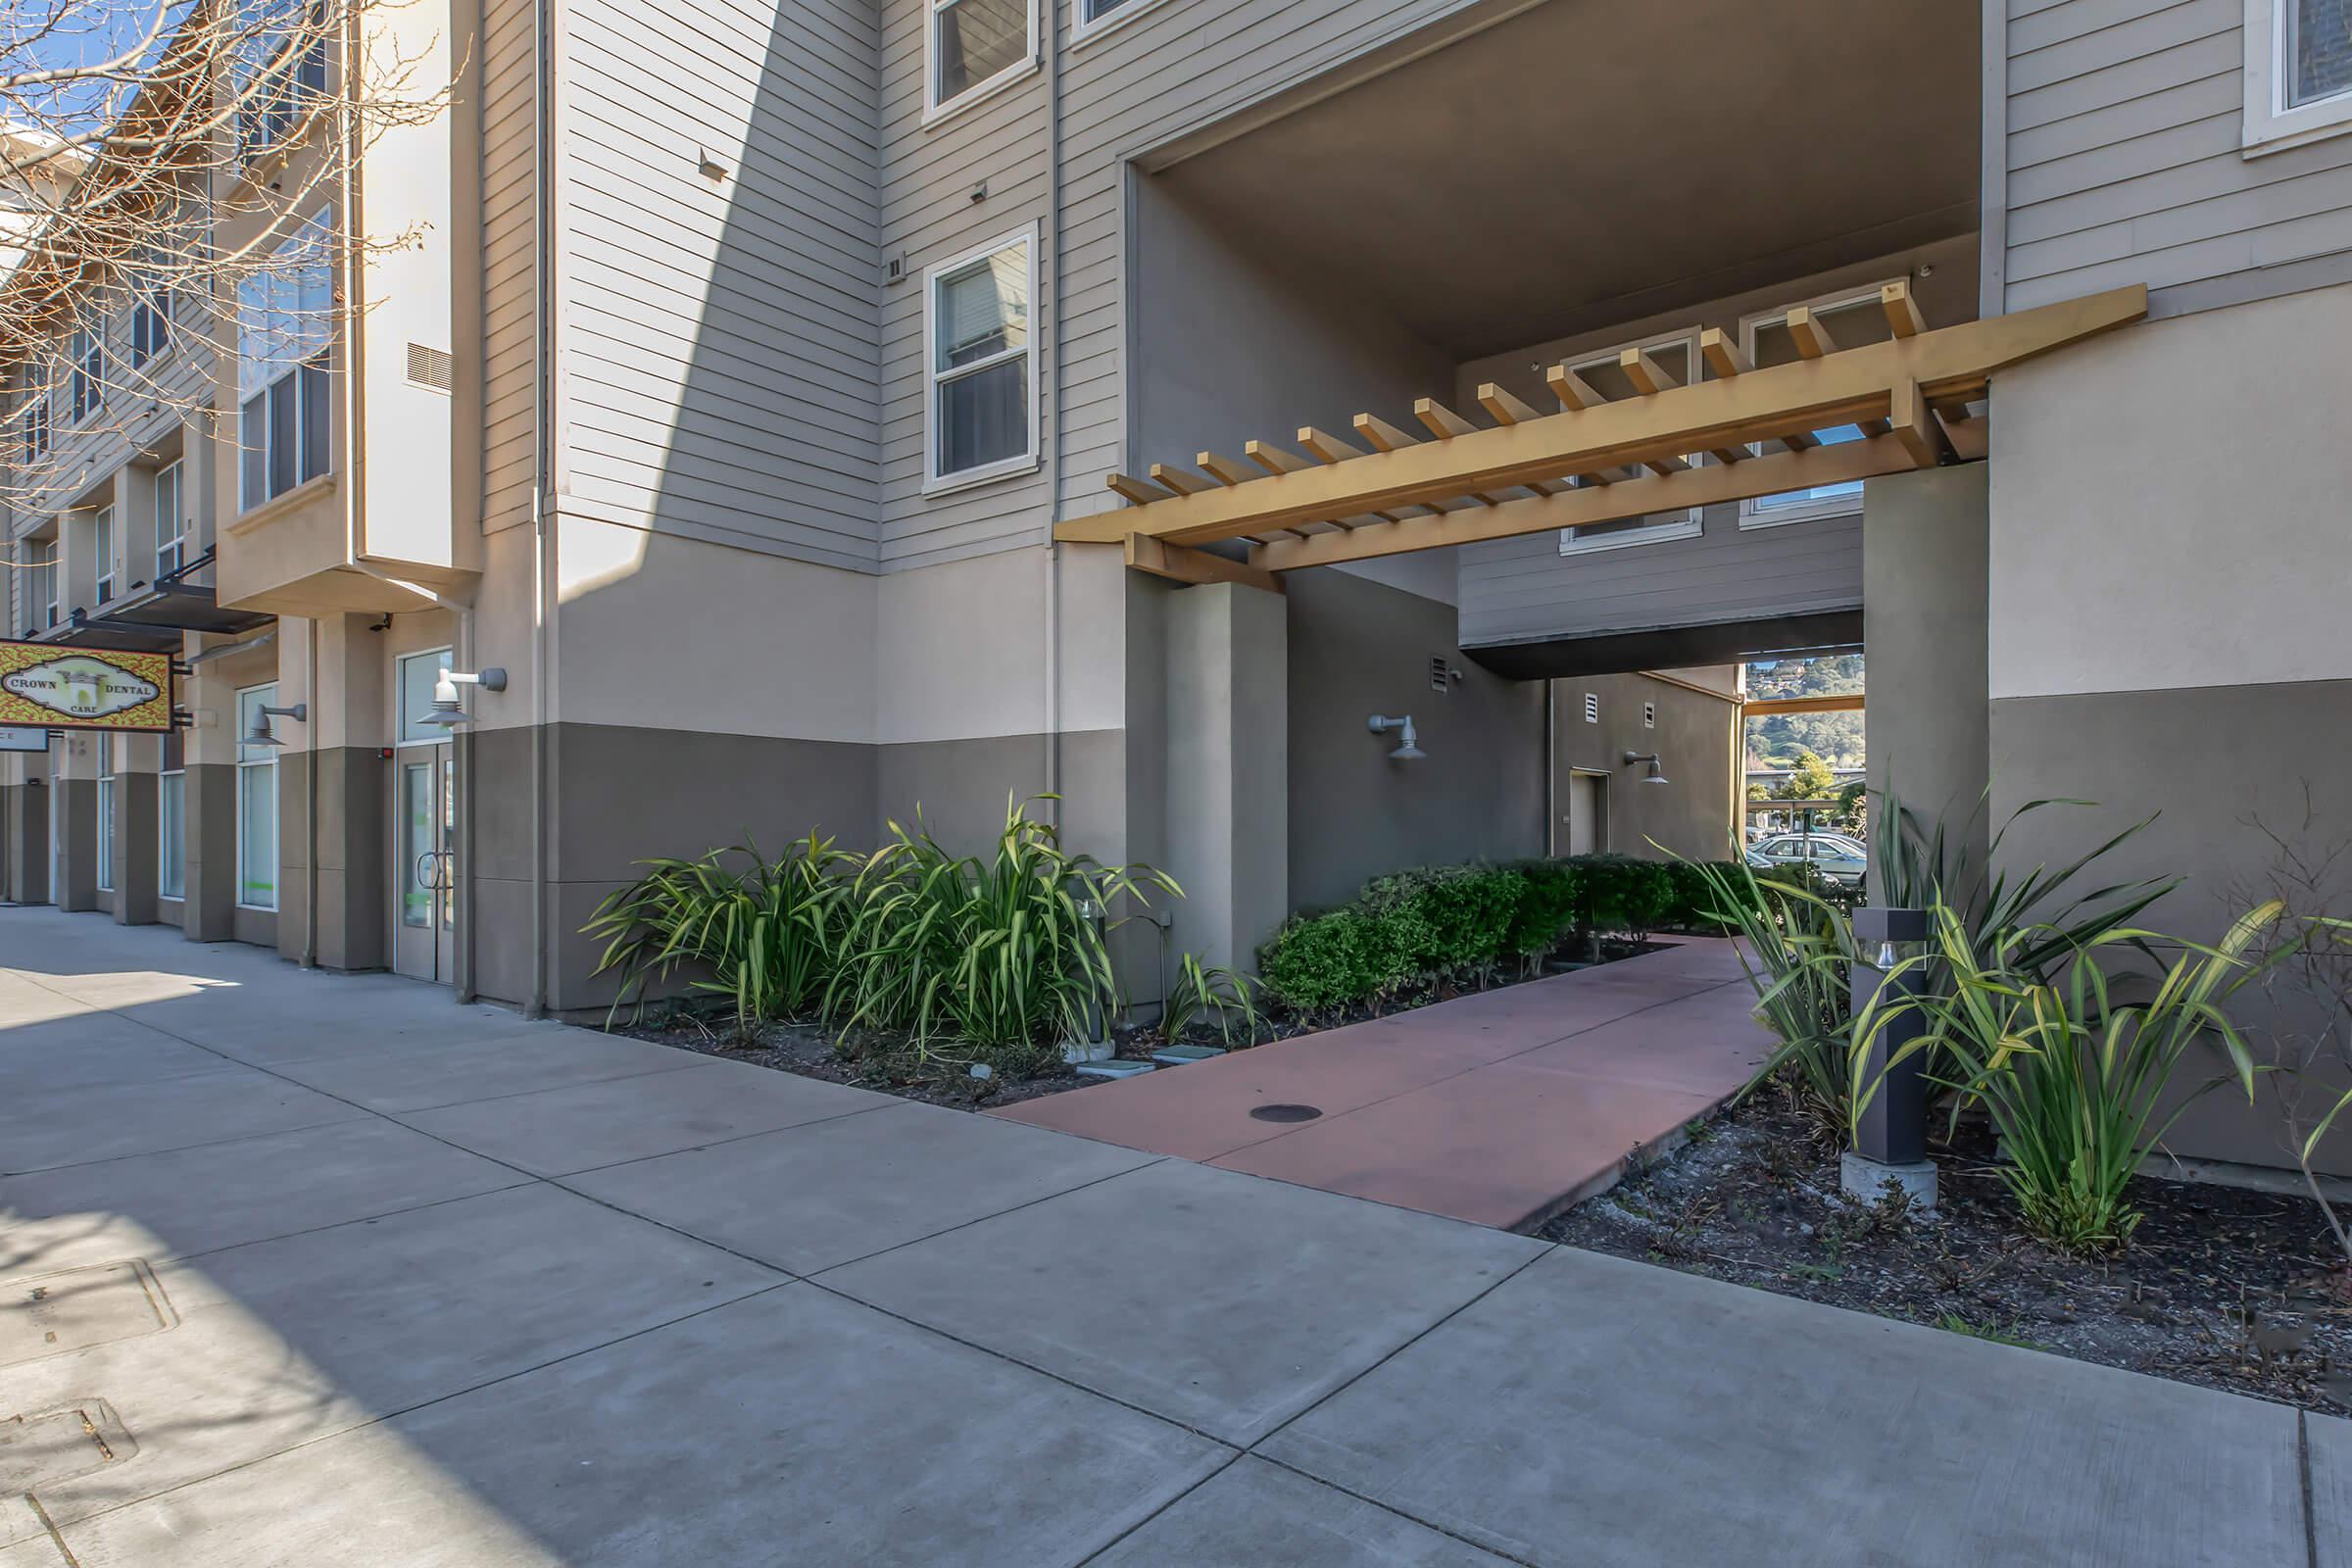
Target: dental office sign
83,688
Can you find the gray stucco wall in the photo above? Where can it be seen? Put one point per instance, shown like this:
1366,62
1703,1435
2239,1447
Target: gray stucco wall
1695,737
1925,564
2216,766
1357,648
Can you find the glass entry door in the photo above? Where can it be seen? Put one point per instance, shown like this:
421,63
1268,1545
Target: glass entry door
424,862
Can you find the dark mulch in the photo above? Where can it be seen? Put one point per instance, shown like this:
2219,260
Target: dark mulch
2230,1288
888,1061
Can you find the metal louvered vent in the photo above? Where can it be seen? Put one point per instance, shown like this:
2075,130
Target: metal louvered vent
1591,707
431,367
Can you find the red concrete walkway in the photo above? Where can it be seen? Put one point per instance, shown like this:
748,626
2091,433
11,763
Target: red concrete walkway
1503,1108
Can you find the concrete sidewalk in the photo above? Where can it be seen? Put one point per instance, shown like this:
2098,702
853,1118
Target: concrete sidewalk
1502,1108
314,1270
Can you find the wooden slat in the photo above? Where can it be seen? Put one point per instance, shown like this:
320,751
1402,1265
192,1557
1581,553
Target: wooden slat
1139,491
1970,439
1812,335
1325,447
1839,464
1224,469
1446,424
1185,565
1506,408
1649,377
1903,310
1572,389
1181,480
1271,458
1722,356
1383,436
1946,363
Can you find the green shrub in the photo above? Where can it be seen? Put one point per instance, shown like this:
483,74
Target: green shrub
1444,921
1623,893
1548,895
1320,962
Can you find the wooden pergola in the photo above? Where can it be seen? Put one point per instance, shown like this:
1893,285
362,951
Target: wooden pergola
1740,433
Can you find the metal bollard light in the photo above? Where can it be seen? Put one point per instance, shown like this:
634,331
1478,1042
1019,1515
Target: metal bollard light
1890,1137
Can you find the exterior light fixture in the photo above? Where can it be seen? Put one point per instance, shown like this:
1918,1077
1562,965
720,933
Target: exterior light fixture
1410,750
446,713
259,734
1656,773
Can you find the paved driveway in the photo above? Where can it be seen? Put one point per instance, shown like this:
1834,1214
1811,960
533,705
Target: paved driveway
320,1271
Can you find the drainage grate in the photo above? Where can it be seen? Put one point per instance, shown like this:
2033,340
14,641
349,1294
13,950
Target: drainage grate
50,1314
1286,1114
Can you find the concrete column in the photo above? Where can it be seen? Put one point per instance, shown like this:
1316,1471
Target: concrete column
208,912
27,824
1228,768
135,830
1924,596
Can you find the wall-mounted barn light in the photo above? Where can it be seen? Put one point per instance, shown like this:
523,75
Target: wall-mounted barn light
446,711
259,734
1656,773
1410,750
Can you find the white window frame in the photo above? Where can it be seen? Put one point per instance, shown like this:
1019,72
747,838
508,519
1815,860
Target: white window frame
2269,126
102,554
43,603
247,768
294,328
1666,527
1024,462
401,719
936,109
1752,514
170,479
108,808
151,334
32,428
1084,29
87,375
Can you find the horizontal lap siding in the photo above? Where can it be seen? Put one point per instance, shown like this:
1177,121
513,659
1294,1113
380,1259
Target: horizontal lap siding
720,366
509,261
1180,65
1518,590
2123,154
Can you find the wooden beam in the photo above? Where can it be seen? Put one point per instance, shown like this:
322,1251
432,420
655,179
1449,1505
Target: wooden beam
1649,377
1970,438
1502,408
1952,362
1903,310
1839,464
1271,458
1193,566
1139,491
1182,481
1572,389
1765,706
1812,335
1383,436
1722,356
1916,427
1446,424
1326,448
1222,469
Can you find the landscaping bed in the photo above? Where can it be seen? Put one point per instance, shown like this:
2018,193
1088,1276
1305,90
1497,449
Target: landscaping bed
2230,1289
888,1061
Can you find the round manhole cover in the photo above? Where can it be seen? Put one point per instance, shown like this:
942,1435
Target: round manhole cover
1286,1114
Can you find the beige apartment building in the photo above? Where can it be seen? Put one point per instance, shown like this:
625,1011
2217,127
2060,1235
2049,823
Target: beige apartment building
820,410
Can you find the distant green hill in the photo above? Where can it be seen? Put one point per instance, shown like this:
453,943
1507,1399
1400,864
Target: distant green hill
1836,737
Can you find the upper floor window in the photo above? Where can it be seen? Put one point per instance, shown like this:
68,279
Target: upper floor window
286,324
102,551
40,583
171,520
2298,73
1850,319
1673,360
280,50
150,318
977,47
89,373
980,373
1091,17
32,426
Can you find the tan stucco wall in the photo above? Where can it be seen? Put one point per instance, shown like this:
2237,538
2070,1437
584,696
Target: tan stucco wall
2168,504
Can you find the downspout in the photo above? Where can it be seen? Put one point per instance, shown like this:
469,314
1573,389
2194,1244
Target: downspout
541,324
1052,619
1551,768
310,735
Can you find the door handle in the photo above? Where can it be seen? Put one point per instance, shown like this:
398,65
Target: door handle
422,879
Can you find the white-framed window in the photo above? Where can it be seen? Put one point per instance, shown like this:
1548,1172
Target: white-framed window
980,363
279,66
89,373
285,322
1089,18
414,691
256,804
32,425
171,520
41,605
150,315
974,49
102,551
106,813
1677,354
2298,75
172,820
1851,318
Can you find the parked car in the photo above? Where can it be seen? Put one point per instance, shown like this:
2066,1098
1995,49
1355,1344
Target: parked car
1837,859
